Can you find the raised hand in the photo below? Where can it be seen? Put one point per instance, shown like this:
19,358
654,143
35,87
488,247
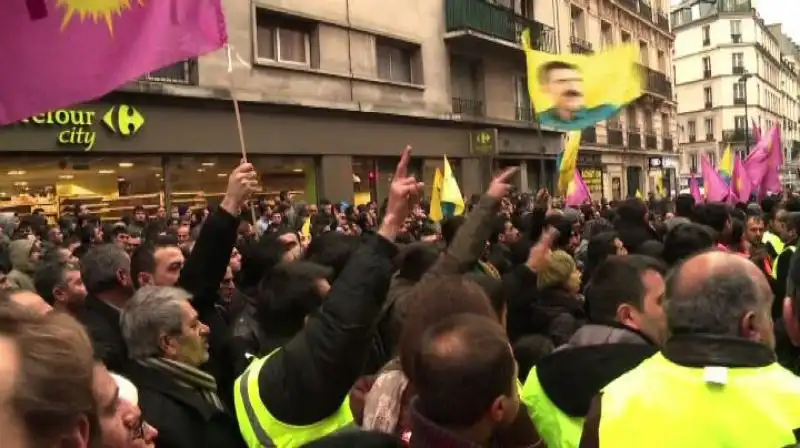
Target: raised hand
541,251
404,192
242,183
500,186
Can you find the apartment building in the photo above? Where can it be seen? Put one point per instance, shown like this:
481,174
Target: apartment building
631,151
731,70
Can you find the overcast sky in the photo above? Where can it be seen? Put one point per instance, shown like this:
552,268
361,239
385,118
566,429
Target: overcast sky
786,12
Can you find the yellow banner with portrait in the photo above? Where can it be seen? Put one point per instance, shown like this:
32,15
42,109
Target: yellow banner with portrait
573,91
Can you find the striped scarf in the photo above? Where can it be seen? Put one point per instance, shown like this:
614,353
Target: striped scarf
188,377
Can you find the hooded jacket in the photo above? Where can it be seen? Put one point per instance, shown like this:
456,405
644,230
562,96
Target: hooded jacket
20,277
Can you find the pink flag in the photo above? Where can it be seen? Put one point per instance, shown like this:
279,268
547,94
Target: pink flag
741,186
715,187
57,53
756,131
577,192
772,180
757,161
695,190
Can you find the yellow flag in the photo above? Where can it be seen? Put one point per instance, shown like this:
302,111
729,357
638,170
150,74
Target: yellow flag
568,160
452,201
306,229
726,162
573,91
660,184
435,213
638,194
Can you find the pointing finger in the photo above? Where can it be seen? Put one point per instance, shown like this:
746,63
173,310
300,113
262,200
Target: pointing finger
507,174
402,166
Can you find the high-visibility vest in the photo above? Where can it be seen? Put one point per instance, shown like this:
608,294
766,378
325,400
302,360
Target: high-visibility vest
260,428
557,429
775,261
662,404
774,240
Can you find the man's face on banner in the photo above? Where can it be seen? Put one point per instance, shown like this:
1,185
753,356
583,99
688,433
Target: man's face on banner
565,86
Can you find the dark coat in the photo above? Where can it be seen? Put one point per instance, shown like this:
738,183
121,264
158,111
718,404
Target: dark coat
557,314
101,321
181,415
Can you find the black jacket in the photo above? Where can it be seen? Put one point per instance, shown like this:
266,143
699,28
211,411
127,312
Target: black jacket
309,378
101,321
201,276
557,314
181,416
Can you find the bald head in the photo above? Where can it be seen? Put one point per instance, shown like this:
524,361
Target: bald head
722,294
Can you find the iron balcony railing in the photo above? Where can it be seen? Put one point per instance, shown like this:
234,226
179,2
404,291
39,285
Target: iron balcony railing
498,22
737,69
634,138
467,106
651,141
739,101
666,143
734,6
733,135
709,105
709,137
178,73
707,74
630,4
580,46
656,82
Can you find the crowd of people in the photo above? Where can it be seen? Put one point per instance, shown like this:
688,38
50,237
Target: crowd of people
520,324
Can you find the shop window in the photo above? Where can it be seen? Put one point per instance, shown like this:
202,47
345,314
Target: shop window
372,175
198,180
110,186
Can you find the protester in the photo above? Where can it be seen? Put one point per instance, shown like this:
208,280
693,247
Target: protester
61,286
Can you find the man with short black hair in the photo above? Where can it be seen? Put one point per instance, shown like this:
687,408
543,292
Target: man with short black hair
563,82
719,355
684,209
61,286
466,412
627,323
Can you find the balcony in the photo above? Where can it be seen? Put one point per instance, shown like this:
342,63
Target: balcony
738,69
524,114
662,21
645,10
178,73
468,107
666,144
734,135
580,46
614,134
706,41
468,20
736,38
707,74
739,101
632,5
692,138
634,138
794,150
589,135
709,105
656,82
651,141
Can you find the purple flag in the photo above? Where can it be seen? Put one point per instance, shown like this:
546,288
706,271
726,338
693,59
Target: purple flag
577,192
695,190
741,186
57,53
772,180
756,130
715,187
757,161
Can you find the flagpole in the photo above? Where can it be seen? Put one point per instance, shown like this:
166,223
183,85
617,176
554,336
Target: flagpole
239,128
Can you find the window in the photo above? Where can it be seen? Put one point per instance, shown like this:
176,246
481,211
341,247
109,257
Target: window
692,126
633,123
693,162
706,35
712,157
626,37
707,63
648,122
282,39
739,92
644,54
740,122
736,31
662,65
709,122
606,36
737,60
576,26
707,96
394,61
665,125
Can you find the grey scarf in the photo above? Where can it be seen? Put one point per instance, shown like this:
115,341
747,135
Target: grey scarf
189,377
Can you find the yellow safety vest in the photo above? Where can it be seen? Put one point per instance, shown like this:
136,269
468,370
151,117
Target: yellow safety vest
661,404
773,239
775,261
261,430
557,429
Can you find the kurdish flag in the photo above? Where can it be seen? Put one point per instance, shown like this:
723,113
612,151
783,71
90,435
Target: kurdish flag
446,199
61,52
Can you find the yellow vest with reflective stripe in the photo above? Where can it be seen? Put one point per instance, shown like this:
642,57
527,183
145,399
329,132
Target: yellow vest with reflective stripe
775,240
775,261
661,404
557,429
260,429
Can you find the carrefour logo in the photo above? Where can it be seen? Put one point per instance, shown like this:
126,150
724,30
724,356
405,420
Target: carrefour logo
77,126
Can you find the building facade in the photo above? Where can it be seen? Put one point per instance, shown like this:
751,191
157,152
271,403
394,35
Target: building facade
632,151
732,70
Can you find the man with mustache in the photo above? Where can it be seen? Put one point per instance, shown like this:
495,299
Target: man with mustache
564,83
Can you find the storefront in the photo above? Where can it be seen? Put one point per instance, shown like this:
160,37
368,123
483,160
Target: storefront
139,149
671,179
590,166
